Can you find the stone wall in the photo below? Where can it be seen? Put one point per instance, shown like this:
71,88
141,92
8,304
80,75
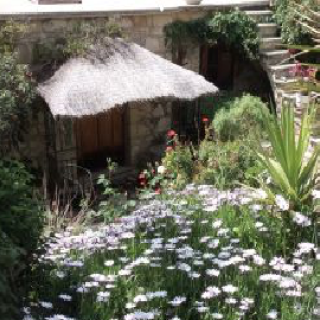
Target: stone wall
145,30
33,146
147,123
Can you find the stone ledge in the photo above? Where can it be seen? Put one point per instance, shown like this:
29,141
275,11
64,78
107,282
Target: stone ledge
56,1
85,11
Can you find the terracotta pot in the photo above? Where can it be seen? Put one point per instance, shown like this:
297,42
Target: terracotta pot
193,2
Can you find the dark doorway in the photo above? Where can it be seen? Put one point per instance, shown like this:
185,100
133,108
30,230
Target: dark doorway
217,65
232,72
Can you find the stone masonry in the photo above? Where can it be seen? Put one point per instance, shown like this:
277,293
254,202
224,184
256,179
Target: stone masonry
147,122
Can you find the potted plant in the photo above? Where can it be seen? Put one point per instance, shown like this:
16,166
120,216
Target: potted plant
193,2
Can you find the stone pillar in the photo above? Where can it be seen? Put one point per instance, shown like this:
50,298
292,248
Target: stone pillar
148,125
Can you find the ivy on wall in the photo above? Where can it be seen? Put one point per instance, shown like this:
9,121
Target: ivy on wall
234,28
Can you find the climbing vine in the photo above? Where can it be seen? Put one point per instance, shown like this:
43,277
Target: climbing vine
234,28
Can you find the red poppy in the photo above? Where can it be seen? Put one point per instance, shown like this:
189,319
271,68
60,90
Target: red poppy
169,148
205,119
292,51
171,133
142,176
143,183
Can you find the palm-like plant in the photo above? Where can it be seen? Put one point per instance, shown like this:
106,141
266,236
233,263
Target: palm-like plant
292,172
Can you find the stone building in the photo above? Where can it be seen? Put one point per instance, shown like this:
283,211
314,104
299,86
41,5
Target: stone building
142,22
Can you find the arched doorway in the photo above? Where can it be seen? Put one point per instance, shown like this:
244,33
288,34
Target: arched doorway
232,72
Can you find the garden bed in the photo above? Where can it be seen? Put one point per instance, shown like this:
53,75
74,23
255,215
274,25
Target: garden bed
195,254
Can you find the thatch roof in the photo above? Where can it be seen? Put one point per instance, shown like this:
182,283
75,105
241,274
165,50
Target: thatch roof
116,72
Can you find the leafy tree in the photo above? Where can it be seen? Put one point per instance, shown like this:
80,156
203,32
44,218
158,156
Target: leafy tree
17,91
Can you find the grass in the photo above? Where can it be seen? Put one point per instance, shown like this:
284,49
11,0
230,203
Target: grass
175,258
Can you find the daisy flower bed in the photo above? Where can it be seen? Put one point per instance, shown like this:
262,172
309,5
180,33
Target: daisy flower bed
196,254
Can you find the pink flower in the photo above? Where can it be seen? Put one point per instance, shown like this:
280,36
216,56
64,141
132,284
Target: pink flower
171,133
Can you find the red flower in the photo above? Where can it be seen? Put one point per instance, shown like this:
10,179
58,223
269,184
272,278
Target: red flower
296,70
142,176
158,191
292,51
205,119
169,148
171,133
143,183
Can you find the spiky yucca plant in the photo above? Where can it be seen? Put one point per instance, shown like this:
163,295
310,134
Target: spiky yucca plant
292,172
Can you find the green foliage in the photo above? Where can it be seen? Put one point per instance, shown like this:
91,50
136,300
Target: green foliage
239,118
10,32
10,259
17,92
179,164
20,230
113,204
76,42
227,165
234,28
286,16
292,172
237,30
16,95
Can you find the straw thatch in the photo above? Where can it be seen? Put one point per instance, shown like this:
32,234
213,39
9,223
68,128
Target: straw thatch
116,72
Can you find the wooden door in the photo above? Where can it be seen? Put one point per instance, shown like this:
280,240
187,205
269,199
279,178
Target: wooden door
217,65
100,137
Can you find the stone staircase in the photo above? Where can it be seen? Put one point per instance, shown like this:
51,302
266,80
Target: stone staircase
275,59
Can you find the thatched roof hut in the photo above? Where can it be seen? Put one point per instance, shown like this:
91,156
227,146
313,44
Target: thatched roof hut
114,73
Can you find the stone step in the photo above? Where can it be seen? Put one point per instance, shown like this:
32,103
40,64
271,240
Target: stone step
267,30
256,5
260,15
282,70
271,58
315,141
281,83
270,43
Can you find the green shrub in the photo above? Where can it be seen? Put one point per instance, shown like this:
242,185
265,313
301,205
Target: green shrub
179,164
233,27
20,231
227,164
240,117
291,31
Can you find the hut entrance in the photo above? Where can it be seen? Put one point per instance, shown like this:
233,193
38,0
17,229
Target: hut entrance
218,64
100,137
